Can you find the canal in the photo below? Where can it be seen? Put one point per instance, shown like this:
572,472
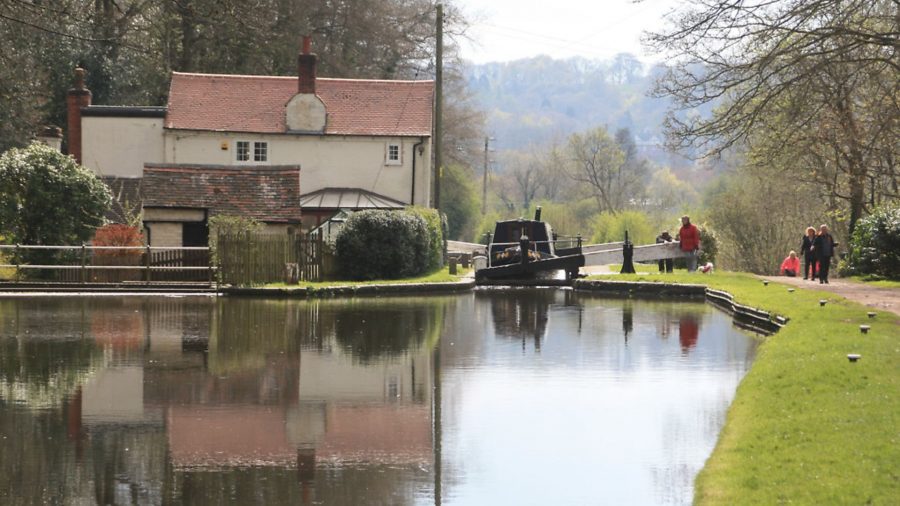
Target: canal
528,396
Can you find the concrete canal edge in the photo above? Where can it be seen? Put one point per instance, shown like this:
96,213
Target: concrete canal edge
354,290
753,319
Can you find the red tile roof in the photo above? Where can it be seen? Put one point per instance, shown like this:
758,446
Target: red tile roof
266,193
234,103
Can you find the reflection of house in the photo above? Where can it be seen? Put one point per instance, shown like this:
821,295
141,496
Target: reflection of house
360,143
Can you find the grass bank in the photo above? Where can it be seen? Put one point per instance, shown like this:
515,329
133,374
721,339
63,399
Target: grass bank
439,276
872,281
807,426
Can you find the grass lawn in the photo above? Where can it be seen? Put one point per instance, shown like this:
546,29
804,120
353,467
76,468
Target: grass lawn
440,276
883,283
807,426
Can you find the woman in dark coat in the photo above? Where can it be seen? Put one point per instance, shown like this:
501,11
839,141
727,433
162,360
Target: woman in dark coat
823,247
806,252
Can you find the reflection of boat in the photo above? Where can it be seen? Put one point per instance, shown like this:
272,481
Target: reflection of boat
524,248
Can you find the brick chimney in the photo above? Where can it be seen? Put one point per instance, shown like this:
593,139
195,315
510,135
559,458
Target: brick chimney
76,98
51,135
306,68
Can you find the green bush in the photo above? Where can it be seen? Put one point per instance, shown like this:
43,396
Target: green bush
437,229
610,227
875,245
389,244
48,199
709,244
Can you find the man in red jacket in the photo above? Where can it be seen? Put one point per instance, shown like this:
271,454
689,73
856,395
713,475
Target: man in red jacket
689,239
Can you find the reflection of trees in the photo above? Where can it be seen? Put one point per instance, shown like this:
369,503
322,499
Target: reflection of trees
249,331
371,329
41,360
521,314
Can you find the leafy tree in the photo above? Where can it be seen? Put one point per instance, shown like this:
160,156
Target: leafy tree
875,245
460,202
47,198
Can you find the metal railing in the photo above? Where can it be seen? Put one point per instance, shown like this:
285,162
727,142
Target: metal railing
145,265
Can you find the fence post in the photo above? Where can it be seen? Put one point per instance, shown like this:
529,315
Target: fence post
18,261
209,260
147,264
82,262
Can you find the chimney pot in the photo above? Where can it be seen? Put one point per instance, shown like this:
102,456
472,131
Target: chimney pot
306,69
76,98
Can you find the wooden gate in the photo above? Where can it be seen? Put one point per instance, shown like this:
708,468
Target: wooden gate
255,258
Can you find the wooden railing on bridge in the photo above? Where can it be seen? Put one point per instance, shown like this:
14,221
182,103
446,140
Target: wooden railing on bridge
113,264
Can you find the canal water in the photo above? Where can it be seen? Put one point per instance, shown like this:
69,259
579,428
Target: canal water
532,396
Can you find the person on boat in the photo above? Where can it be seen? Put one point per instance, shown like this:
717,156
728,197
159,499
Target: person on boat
668,264
689,240
790,267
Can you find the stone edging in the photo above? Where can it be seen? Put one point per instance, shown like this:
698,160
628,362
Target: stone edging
753,319
353,290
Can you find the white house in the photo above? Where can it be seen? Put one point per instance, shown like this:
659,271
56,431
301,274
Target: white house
357,143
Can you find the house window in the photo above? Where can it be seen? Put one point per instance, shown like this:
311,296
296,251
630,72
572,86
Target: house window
243,151
393,154
259,151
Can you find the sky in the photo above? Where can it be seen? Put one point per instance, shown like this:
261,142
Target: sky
504,30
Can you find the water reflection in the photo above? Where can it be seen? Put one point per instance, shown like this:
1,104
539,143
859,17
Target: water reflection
498,397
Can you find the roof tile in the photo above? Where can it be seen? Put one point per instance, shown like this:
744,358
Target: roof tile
235,103
266,193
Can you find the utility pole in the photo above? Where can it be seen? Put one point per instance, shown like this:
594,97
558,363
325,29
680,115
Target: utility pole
484,183
438,105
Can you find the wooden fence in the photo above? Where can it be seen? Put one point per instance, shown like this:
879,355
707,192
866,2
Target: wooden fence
245,259
109,264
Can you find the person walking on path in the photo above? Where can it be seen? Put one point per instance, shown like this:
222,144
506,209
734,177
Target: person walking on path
809,257
823,247
667,265
791,265
689,240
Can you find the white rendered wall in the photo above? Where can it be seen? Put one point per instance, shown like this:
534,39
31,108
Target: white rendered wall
325,161
118,146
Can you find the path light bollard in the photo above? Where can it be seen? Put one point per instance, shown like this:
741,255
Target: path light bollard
790,290
822,302
864,329
765,282
871,314
853,357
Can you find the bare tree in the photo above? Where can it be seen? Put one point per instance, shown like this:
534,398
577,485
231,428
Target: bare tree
759,59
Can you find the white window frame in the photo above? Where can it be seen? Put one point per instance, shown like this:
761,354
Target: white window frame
387,153
252,149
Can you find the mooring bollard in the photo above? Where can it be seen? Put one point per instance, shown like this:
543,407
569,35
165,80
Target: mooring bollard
465,261
872,314
853,357
452,266
765,282
790,290
864,329
822,302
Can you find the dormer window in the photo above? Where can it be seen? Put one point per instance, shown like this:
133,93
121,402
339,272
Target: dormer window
392,156
246,151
